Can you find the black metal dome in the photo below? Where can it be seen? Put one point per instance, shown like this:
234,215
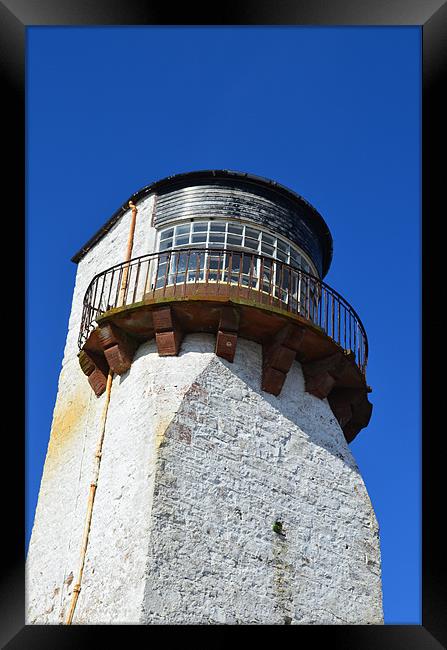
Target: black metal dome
243,195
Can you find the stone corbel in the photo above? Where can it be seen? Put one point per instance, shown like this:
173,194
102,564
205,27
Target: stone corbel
227,332
95,367
321,375
278,355
168,336
119,348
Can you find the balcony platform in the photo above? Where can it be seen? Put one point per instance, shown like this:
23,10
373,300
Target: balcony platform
228,311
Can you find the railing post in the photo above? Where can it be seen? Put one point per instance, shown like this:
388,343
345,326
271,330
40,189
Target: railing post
250,276
218,272
136,281
167,271
338,338
118,286
177,259
186,273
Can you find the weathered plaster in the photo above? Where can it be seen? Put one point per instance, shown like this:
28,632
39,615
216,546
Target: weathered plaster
59,519
197,466
232,462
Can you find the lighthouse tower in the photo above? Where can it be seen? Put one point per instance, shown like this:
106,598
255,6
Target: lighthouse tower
198,469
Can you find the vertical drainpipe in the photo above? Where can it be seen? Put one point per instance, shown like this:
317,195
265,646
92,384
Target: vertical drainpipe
91,500
128,253
98,452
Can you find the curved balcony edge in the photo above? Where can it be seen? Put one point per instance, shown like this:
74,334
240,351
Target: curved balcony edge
196,273
230,293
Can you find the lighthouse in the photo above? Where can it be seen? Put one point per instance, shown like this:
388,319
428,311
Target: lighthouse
198,469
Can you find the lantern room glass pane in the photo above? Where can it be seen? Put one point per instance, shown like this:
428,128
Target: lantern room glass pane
282,245
165,234
217,226
181,230
182,240
253,244
251,232
268,239
196,267
295,258
199,226
217,238
223,235
199,237
267,250
234,240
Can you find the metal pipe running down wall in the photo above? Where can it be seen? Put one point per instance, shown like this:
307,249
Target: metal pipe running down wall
128,252
91,500
98,452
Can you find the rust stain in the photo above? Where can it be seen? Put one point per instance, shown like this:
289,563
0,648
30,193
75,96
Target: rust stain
160,431
69,419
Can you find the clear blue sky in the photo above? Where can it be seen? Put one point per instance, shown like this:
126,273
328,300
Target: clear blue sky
333,113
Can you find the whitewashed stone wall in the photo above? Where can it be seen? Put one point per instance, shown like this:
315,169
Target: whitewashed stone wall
58,525
234,460
197,466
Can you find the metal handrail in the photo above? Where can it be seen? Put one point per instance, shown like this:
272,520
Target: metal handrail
260,278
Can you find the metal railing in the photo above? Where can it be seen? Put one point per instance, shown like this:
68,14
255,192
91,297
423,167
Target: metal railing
183,272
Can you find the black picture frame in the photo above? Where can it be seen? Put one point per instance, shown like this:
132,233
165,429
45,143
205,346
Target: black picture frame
431,16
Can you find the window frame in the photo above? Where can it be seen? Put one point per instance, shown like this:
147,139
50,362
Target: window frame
306,297
245,224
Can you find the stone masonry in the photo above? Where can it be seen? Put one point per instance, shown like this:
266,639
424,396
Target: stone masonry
216,502
198,465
